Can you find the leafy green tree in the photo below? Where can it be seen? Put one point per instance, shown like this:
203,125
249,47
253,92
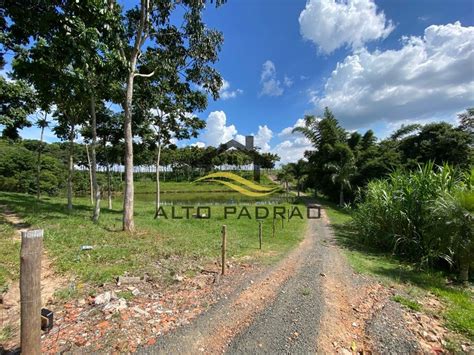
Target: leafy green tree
285,176
299,170
466,120
326,135
437,142
342,170
192,46
17,102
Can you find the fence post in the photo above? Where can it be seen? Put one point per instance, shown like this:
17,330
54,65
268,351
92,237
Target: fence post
30,291
260,234
273,228
223,251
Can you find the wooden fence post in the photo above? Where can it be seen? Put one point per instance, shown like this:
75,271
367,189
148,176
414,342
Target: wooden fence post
260,234
273,228
223,251
30,291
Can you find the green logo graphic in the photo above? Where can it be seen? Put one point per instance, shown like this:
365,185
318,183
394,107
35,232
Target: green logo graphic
239,184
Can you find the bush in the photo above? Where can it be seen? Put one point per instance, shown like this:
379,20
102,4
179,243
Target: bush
418,215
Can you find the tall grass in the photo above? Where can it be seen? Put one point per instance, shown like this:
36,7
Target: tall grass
422,215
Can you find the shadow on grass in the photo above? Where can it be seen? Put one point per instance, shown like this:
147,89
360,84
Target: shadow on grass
387,265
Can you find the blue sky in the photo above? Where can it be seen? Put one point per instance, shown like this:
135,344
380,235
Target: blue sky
377,64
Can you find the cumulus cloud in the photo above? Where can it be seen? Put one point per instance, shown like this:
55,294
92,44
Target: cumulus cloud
288,131
332,24
288,81
293,145
432,75
226,93
217,131
263,137
292,149
271,86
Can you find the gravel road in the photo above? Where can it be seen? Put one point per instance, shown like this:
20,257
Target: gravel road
290,323
304,304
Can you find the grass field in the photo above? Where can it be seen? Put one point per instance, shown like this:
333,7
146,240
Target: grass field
10,251
161,248
459,304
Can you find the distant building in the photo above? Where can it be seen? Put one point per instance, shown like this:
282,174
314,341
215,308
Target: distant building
248,148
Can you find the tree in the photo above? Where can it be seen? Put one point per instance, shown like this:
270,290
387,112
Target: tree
299,171
41,123
342,170
285,176
17,102
192,45
324,134
437,142
466,120
60,43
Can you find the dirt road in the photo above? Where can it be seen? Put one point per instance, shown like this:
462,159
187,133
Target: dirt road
310,302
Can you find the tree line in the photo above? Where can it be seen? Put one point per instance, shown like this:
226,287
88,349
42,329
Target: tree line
342,162
35,167
411,194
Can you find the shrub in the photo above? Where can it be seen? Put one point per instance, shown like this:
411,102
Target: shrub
421,215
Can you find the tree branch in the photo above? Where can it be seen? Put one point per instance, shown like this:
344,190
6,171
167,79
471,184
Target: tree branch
144,75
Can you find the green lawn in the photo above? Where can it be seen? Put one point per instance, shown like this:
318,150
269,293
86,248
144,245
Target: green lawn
459,302
10,251
160,247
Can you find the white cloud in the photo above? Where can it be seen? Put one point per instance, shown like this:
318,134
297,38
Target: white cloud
271,86
431,75
240,138
198,144
217,132
288,81
293,145
225,93
263,137
332,24
291,150
288,131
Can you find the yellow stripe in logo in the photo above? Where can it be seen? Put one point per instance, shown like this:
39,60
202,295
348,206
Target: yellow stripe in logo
258,190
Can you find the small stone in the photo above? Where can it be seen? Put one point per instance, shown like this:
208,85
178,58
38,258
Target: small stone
178,278
135,292
344,351
355,325
140,311
127,280
322,274
430,337
103,298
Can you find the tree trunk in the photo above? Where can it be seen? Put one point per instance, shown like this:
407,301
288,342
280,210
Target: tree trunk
91,186
298,187
38,166
464,261
70,169
128,222
157,201
95,185
341,196
109,186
